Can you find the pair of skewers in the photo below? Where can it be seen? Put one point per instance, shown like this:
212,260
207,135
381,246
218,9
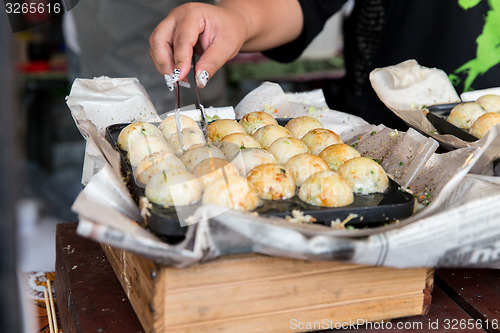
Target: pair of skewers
51,309
199,105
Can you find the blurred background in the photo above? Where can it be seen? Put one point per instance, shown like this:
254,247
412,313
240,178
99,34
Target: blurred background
43,152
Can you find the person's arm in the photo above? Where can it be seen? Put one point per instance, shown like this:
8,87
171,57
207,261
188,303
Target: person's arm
220,32
269,23
315,13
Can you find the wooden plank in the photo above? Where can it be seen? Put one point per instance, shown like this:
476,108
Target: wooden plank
200,300
233,290
137,276
429,286
248,266
290,321
443,308
288,293
477,291
90,298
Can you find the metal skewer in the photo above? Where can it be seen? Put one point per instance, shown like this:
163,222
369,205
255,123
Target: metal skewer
199,105
177,95
177,116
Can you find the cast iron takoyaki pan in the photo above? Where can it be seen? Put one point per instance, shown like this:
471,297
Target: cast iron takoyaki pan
366,210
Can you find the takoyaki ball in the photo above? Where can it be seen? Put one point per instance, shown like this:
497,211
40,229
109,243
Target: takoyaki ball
168,126
145,146
365,175
249,158
190,136
301,125
199,153
173,187
269,133
320,138
134,131
490,102
272,182
285,148
220,128
484,123
254,120
232,192
326,189
213,168
305,165
155,163
464,115
336,154
232,143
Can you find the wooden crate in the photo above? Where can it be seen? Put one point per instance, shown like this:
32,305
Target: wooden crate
258,293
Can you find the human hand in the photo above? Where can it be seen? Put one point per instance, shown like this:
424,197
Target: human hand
217,33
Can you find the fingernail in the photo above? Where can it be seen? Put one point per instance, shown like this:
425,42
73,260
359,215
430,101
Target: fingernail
176,74
202,79
169,82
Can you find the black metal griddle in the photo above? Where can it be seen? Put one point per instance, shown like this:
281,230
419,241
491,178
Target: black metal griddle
366,210
437,117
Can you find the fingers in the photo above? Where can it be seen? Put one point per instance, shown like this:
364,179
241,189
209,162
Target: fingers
185,37
212,30
172,42
219,41
160,50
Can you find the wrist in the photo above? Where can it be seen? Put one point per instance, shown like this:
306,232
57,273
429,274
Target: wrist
242,15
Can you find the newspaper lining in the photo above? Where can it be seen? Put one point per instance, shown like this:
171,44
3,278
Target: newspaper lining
457,229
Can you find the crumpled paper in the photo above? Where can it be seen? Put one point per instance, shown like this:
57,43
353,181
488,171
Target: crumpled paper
93,98
442,178
105,101
406,88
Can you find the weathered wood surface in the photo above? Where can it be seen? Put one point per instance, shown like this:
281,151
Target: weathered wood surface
477,291
90,297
